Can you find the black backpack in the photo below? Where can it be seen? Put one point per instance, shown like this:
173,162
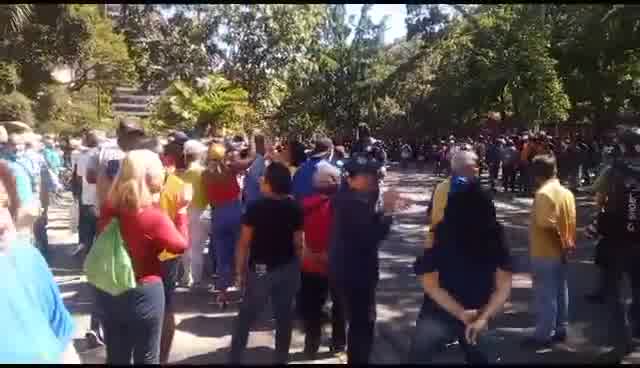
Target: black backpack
621,216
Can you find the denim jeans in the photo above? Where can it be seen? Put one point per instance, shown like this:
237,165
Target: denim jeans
225,230
434,330
551,296
281,286
133,324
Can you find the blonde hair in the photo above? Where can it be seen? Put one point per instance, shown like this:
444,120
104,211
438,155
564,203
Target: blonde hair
130,189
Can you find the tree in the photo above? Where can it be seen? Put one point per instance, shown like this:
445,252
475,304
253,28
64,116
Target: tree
212,101
13,18
105,62
264,43
16,107
179,47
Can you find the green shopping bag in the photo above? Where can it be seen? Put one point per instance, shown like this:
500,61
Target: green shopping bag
108,266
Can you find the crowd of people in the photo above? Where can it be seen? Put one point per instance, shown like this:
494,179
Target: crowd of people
276,220
578,158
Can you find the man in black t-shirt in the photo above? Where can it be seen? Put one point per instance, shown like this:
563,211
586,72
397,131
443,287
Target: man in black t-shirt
454,308
270,245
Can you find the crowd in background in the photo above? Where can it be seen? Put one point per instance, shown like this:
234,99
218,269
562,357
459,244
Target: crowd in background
256,218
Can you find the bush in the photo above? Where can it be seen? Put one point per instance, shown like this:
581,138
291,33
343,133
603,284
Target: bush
16,106
9,78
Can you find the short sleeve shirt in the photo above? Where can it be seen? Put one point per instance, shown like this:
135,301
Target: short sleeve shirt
456,268
274,222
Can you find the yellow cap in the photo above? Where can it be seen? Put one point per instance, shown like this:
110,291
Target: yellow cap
216,152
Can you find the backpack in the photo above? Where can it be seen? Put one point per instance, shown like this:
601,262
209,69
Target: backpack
621,216
108,265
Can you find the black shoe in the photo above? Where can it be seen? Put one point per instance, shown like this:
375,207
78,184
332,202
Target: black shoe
614,356
337,349
559,337
93,340
535,344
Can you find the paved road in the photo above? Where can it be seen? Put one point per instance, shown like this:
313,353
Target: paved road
203,330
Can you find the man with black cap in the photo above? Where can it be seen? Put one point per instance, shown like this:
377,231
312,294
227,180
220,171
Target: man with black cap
104,165
358,229
303,178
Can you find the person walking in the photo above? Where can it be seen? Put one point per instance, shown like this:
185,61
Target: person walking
268,262
133,320
552,239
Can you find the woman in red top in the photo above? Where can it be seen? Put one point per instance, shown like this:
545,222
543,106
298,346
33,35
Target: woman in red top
220,181
133,320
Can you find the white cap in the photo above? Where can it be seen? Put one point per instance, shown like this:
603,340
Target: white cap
194,147
325,174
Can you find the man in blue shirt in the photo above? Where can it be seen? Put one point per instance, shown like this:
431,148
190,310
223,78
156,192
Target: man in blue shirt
303,179
251,190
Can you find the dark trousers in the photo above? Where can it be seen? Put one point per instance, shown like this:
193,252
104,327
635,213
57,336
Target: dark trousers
87,229
494,169
435,330
313,295
360,309
621,263
88,225
509,177
281,286
133,324
524,178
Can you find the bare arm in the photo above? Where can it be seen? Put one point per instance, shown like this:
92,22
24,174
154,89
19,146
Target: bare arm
244,163
499,296
298,242
242,249
431,286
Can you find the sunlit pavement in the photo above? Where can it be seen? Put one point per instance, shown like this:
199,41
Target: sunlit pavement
203,330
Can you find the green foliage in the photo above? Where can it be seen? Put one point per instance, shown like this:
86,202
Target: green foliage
105,60
9,78
213,100
16,107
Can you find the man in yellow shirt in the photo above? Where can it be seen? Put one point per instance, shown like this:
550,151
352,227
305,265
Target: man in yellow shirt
198,226
552,235
463,163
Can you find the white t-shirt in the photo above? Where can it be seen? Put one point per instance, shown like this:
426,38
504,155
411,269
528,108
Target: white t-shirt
88,190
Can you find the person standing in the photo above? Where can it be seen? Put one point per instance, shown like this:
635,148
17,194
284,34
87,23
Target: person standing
198,227
454,308
270,246
552,238
617,190
464,164
220,181
175,196
133,320
358,229
316,287
509,158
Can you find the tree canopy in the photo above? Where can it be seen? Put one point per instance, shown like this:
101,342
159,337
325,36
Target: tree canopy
310,67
